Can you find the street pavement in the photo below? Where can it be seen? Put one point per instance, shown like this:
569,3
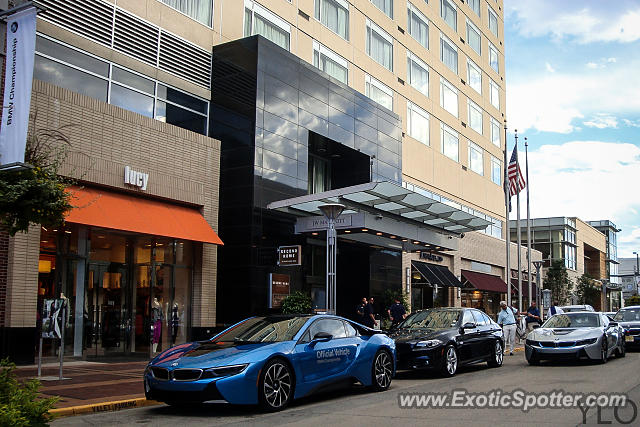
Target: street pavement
356,406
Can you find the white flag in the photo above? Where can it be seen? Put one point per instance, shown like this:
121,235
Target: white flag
21,43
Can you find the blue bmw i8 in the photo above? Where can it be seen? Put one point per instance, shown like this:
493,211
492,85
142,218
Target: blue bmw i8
272,360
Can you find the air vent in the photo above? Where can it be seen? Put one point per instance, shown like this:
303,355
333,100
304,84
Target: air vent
135,37
184,59
92,19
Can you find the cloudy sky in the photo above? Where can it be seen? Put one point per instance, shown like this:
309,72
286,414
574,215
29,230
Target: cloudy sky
573,89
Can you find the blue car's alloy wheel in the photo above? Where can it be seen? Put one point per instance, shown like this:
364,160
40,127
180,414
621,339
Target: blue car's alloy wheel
382,370
276,385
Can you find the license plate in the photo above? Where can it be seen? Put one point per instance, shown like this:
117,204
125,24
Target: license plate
629,338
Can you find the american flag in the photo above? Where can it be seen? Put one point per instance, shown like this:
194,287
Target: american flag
516,180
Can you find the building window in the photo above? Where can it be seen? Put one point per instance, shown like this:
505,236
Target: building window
377,91
496,170
258,20
379,45
418,25
448,53
319,175
570,257
334,14
494,94
330,62
474,38
476,162
495,132
200,10
417,123
448,97
449,13
83,73
449,142
493,58
493,22
384,5
474,76
475,116
417,74
475,6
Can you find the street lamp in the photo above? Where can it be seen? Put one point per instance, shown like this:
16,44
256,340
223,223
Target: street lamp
604,295
636,272
331,211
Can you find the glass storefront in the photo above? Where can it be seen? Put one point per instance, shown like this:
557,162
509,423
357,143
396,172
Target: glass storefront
134,291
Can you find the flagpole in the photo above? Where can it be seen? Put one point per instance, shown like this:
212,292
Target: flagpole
526,160
507,202
518,230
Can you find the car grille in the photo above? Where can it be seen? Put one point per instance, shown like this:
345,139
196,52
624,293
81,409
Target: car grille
563,344
634,331
186,374
160,373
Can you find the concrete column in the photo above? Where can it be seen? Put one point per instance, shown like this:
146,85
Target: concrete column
81,268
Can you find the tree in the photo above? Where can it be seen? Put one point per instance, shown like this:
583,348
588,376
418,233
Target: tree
588,291
36,195
296,303
634,300
558,282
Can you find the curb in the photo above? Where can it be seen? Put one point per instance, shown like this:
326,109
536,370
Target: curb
103,407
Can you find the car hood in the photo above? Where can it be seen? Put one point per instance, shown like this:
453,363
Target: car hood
207,354
633,324
413,335
564,334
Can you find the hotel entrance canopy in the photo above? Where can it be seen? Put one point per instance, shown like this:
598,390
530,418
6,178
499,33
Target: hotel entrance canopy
394,211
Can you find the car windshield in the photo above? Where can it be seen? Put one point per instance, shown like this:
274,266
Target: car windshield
431,319
573,320
264,329
627,315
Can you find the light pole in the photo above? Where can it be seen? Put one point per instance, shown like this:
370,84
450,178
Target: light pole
538,265
331,211
636,272
604,295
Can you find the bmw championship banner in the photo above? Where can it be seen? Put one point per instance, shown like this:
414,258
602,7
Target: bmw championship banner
21,43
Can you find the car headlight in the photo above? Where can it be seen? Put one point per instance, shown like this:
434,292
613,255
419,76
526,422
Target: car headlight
587,342
429,343
223,371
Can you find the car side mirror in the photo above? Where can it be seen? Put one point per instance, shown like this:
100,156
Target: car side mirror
321,337
466,326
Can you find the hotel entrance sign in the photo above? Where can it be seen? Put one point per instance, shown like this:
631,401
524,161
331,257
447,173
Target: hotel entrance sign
279,285
290,255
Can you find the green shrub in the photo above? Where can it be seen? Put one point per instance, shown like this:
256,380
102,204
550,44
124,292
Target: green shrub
20,404
634,300
296,303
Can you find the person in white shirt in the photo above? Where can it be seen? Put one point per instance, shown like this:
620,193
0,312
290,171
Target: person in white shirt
554,309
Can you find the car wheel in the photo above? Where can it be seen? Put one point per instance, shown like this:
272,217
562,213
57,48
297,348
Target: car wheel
381,371
534,360
622,350
276,385
497,357
450,361
603,350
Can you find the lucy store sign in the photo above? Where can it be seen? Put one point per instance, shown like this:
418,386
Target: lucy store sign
136,178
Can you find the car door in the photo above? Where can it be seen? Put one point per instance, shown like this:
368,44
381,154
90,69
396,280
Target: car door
485,337
610,332
320,360
468,339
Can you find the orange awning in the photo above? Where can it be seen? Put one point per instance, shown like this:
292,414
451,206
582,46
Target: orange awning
106,209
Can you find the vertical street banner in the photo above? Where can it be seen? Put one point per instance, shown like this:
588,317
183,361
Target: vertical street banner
21,43
53,318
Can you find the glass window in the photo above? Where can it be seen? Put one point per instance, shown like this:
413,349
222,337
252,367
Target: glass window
379,45
200,10
494,94
474,76
417,123
493,22
476,162
496,170
495,132
449,142
265,329
448,97
131,100
70,78
377,91
448,53
331,326
384,5
479,318
473,37
71,56
258,20
334,14
418,25
351,331
449,13
330,62
475,116
493,58
181,117
417,73
467,317
181,98
475,6
133,80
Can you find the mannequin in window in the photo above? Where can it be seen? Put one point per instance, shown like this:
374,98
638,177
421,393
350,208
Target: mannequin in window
156,320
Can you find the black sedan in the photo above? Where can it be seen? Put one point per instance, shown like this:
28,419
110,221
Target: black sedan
629,319
445,338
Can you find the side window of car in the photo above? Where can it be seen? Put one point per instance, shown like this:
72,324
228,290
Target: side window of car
605,320
351,331
467,317
487,319
333,327
477,316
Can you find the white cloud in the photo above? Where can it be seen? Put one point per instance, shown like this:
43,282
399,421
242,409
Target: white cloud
593,65
587,179
549,68
631,123
611,60
602,121
585,21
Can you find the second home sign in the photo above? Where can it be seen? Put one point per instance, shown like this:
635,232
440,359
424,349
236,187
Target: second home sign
289,255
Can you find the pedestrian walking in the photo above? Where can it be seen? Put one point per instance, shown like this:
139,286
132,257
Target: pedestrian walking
554,309
507,320
396,312
533,316
360,310
370,314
